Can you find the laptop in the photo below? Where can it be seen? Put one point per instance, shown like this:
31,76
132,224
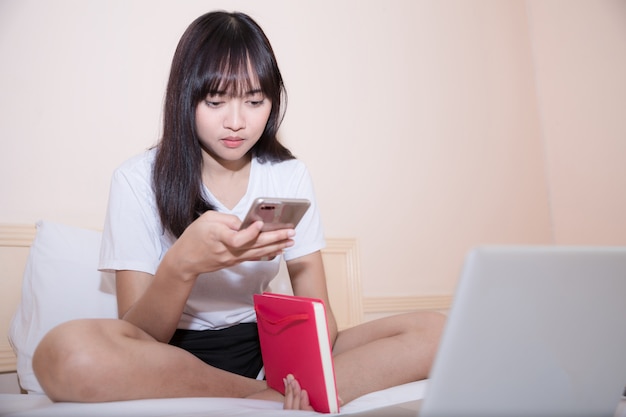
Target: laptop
533,331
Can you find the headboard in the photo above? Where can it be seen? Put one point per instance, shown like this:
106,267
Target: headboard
341,263
15,242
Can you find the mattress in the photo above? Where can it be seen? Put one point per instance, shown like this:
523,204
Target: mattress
34,405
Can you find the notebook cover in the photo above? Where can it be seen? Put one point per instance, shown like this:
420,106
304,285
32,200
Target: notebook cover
294,338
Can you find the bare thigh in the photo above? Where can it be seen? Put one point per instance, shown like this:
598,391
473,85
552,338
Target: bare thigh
79,351
423,325
108,360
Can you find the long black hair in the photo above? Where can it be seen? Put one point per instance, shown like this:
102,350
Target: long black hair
215,53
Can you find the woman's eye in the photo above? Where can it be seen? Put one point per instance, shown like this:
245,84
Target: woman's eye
256,103
212,103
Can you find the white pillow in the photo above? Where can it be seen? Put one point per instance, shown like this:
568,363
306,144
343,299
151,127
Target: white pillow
61,282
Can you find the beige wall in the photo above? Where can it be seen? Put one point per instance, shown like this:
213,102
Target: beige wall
580,51
429,126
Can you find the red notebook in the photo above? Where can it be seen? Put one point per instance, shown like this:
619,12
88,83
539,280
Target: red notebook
294,338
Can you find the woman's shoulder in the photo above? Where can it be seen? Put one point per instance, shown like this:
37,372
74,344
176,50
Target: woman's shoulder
139,164
136,169
285,178
286,167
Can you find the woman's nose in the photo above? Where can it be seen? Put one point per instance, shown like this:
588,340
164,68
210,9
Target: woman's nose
234,117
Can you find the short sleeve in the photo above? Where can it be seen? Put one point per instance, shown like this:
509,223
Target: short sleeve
291,179
132,238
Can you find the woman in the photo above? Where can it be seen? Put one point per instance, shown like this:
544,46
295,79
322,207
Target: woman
186,273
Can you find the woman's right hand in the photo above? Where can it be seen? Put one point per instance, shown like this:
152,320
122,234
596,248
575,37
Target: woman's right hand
214,241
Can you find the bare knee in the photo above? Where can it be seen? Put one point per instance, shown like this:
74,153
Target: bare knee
423,324
428,327
419,332
71,361
432,322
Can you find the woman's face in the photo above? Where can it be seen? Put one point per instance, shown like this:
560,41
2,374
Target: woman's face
229,125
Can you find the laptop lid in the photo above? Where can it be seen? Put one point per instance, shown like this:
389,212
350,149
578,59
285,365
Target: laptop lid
533,331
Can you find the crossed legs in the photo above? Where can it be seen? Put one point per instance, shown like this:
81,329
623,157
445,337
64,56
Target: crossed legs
96,360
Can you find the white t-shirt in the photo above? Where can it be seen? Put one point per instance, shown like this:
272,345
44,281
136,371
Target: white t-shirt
134,239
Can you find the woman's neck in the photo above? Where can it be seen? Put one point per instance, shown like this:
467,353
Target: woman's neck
227,180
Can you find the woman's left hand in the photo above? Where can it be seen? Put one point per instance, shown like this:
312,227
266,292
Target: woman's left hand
295,397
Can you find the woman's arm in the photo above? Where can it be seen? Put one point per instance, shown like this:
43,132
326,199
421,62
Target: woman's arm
154,303
309,280
212,242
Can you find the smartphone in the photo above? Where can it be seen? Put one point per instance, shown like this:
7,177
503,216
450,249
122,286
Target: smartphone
276,213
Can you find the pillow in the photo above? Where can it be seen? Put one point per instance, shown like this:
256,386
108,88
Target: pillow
61,282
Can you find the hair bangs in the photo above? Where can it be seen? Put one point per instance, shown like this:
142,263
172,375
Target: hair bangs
235,75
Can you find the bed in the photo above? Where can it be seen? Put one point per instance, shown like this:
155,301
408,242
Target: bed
49,276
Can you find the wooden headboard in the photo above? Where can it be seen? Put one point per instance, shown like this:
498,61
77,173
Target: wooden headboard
341,262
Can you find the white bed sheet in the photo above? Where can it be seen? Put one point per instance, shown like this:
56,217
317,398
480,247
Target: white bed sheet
33,405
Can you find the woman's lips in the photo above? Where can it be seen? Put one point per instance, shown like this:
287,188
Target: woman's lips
232,142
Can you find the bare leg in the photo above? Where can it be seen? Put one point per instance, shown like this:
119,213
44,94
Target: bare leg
110,360
386,352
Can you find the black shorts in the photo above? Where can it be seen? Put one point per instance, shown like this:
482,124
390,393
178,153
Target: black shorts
235,349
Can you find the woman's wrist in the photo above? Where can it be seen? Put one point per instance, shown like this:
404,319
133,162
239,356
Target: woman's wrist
173,267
